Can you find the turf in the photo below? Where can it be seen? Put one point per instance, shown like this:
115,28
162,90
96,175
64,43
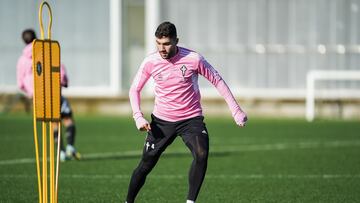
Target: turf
271,160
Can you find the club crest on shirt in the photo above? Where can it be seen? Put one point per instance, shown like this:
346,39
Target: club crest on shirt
183,70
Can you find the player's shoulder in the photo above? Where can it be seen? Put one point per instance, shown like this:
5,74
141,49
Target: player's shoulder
190,54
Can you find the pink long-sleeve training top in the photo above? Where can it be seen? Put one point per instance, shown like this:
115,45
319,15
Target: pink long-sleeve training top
177,95
24,72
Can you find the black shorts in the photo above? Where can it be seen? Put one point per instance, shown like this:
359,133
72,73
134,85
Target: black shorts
163,133
65,108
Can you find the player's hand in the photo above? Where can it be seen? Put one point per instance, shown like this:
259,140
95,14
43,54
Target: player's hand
142,124
240,118
145,127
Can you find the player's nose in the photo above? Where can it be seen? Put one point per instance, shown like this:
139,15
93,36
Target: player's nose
161,48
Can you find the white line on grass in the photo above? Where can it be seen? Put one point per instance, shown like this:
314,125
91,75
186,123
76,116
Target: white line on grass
208,176
214,149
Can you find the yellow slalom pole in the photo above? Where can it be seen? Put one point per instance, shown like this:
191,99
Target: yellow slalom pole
37,153
46,71
45,191
57,161
52,162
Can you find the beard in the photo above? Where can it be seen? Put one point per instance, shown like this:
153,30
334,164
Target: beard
168,55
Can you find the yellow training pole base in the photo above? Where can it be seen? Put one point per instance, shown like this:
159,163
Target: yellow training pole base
48,174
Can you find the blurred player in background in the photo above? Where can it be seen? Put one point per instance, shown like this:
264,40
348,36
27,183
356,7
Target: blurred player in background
25,83
177,109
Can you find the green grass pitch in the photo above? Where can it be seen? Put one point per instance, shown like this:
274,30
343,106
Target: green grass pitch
271,160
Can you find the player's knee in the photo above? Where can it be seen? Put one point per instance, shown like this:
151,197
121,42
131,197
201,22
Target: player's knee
201,155
144,168
148,162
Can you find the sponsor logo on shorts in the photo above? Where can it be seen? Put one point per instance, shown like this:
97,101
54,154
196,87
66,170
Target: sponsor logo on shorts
148,145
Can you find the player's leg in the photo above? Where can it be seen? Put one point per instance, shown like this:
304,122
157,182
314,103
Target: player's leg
162,134
195,136
147,163
70,133
70,128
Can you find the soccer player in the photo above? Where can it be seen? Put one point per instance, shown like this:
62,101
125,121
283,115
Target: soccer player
25,83
177,109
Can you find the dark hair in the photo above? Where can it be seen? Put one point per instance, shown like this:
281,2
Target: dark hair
166,29
28,36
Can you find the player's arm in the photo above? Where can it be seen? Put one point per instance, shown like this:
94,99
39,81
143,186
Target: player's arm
214,77
140,80
20,74
63,76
